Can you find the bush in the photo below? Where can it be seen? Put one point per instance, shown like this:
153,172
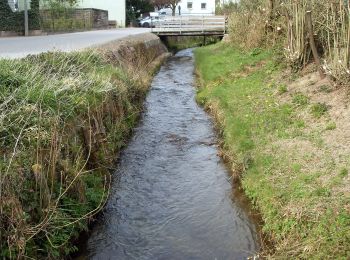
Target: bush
257,23
63,118
14,21
247,29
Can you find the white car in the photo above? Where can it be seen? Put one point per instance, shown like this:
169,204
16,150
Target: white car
150,21
165,11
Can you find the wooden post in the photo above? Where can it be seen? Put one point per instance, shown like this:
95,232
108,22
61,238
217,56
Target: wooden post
308,19
225,23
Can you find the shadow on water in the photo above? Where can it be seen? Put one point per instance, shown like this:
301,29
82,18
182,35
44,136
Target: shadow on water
171,196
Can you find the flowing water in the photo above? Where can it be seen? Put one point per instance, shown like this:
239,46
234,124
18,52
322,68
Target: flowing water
171,197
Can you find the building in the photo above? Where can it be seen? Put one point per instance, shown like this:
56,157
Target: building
191,7
115,8
196,7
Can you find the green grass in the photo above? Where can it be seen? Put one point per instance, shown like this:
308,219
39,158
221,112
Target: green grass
300,99
318,109
282,89
301,215
331,126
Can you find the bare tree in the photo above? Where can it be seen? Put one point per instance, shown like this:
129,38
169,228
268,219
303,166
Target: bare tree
172,5
159,4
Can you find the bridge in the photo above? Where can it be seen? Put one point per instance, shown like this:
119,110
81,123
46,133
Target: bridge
191,25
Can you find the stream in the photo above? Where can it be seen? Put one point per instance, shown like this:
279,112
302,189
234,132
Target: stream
171,197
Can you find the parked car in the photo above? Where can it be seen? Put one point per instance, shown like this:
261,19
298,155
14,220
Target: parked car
165,11
150,21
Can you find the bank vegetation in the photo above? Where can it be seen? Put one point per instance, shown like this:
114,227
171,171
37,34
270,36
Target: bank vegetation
63,119
282,109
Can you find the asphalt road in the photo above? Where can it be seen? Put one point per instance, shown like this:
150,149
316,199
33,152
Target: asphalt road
19,47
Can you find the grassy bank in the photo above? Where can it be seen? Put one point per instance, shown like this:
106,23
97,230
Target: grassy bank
63,119
282,144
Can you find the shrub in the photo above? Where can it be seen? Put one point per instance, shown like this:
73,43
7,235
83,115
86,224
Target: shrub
14,21
258,23
63,118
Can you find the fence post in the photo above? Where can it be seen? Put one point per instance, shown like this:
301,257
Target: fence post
308,19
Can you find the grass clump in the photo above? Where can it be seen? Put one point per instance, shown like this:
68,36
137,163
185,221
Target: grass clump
282,89
288,177
331,126
300,99
344,172
319,109
63,118
325,89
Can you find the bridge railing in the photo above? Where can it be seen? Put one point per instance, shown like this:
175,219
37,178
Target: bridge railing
185,24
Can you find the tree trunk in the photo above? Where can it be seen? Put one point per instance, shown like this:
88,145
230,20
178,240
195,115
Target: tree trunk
308,20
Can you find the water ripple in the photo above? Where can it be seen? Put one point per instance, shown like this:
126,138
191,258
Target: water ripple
170,197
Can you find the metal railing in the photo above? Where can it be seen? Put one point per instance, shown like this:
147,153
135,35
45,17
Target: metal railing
187,24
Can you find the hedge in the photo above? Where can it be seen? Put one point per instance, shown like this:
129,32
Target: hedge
14,21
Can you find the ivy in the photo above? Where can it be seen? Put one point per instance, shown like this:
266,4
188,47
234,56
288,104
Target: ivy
14,21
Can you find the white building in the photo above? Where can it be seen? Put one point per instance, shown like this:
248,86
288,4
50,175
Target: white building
115,8
196,7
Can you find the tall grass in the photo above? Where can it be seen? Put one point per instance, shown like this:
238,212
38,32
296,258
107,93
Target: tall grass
63,118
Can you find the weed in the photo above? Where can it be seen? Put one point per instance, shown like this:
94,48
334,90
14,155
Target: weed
300,99
299,123
331,126
282,89
319,109
343,172
256,51
325,89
